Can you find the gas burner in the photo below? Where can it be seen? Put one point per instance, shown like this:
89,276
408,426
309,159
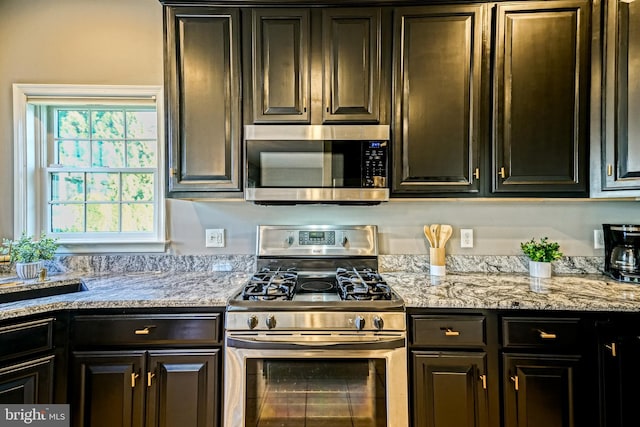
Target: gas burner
268,285
363,284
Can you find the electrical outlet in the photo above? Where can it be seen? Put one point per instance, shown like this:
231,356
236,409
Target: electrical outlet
214,238
466,237
598,239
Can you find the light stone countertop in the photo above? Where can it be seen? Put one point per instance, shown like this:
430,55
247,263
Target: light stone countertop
131,290
461,290
581,292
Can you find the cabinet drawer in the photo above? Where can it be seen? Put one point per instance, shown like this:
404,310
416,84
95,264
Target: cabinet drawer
26,338
449,331
540,333
133,330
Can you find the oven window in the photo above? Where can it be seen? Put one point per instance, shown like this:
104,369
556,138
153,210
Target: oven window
316,393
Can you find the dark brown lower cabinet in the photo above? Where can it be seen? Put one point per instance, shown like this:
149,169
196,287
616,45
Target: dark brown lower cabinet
145,388
540,390
618,355
450,389
29,382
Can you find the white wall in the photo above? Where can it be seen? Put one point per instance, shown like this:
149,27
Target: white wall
120,42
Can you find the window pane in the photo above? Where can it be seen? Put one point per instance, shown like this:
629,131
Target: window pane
73,153
102,187
108,154
103,217
141,154
107,124
73,124
67,218
137,186
142,124
67,186
137,217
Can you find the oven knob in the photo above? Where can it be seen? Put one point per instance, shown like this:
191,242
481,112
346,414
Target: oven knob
378,323
271,322
252,321
359,322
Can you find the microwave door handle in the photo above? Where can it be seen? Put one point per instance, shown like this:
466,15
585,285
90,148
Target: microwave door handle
330,344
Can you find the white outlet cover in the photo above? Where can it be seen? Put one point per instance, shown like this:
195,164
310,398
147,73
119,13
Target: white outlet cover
214,238
598,239
466,237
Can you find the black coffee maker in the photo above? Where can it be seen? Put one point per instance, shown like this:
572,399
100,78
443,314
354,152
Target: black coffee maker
622,252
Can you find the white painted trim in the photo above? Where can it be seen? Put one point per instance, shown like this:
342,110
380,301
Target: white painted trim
27,219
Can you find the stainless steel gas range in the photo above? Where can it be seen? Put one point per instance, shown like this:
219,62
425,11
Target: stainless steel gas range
316,337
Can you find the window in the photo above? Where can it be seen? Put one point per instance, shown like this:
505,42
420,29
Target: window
88,166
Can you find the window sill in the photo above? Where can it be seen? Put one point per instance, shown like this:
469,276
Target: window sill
72,248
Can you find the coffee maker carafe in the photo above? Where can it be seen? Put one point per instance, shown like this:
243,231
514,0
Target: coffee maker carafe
622,251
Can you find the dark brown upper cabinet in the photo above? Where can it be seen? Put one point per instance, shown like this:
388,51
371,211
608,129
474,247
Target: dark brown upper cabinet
541,89
620,150
315,65
202,81
352,63
437,85
281,57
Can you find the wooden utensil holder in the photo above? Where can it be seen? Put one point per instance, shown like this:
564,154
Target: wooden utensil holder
437,258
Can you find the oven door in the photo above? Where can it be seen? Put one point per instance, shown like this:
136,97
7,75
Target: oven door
316,380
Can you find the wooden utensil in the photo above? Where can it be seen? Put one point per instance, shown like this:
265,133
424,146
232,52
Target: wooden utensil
445,233
429,236
435,232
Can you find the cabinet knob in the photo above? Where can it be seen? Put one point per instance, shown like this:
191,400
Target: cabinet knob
134,376
145,331
483,378
502,173
516,384
612,347
448,332
609,170
150,376
547,336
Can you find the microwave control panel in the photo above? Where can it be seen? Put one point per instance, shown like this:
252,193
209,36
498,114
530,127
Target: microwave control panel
374,164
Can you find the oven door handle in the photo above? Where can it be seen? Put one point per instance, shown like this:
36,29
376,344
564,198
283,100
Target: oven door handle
375,343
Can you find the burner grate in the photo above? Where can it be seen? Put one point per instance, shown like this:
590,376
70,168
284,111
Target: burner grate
363,284
267,285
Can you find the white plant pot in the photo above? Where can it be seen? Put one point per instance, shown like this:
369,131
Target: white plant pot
539,269
29,270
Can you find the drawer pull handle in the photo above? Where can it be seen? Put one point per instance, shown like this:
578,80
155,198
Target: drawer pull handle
516,385
133,379
145,331
451,333
612,347
150,376
547,336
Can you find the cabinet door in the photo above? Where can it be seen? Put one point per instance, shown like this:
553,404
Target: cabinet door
541,88
449,389
202,79
437,68
183,388
352,63
540,390
27,383
280,44
107,389
622,95
619,379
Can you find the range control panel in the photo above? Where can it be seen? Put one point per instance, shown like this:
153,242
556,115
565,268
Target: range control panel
317,237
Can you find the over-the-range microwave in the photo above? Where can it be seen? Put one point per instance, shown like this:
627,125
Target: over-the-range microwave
289,164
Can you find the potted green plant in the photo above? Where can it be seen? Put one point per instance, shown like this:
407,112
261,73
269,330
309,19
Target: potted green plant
29,254
541,254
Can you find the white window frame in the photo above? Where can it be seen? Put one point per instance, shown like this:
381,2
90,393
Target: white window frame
30,168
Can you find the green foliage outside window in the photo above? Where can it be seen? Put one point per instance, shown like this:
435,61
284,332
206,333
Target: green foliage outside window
107,160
